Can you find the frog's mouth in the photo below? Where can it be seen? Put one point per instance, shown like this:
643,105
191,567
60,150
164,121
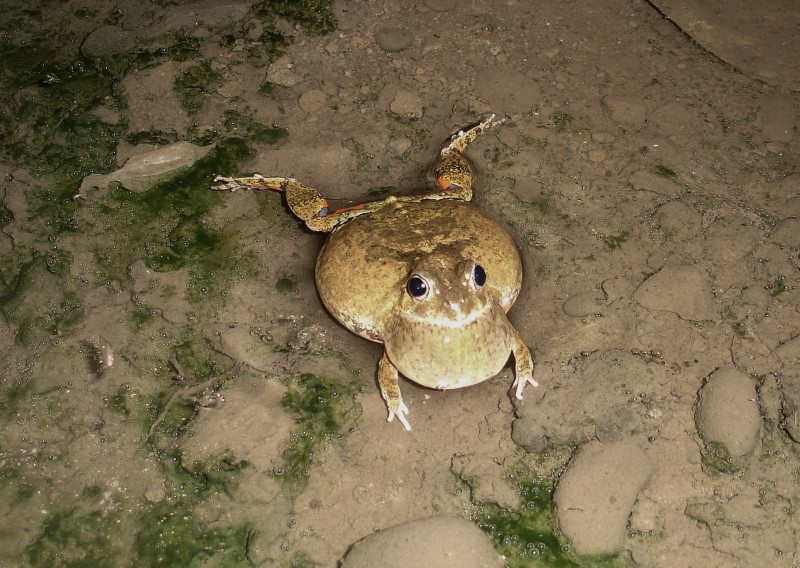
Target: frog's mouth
447,353
457,319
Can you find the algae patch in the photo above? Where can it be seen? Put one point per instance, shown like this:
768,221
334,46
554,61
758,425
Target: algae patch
321,410
529,536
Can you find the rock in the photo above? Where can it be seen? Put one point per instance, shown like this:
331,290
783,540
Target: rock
728,419
677,221
596,495
312,101
394,39
625,111
436,542
400,146
491,486
406,104
281,72
682,290
144,171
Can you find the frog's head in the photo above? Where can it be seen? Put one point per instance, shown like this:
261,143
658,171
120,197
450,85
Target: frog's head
448,329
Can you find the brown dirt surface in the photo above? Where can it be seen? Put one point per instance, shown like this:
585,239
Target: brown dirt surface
171,373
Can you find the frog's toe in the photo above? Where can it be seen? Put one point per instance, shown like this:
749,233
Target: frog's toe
400,411
520,383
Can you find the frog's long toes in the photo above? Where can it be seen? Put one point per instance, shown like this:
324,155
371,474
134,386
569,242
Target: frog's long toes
520,383
400,412
462,138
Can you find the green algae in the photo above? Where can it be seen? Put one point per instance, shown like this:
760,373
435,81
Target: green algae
286,285
75,538
167,226
614,242
717,459
300,560
777,287
21,304
529,536
316,17
321,410
53,129
170,536
194,84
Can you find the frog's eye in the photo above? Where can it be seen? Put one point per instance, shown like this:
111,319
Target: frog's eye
478,276
418,287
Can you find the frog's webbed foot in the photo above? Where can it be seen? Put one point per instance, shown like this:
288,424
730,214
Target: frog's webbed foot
523,366
390,390
304,201
453,171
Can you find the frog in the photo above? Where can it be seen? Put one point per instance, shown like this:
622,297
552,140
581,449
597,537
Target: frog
428,275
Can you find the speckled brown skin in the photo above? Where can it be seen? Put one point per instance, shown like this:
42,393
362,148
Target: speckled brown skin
455,334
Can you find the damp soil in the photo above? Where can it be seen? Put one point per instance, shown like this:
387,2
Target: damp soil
173,393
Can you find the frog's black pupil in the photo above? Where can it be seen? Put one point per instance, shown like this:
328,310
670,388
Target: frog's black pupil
417,287
479,275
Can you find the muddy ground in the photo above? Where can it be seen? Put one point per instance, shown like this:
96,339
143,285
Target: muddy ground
174,394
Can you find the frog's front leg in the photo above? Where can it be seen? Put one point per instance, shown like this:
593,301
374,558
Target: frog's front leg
304,201
523,365
390,390
453,171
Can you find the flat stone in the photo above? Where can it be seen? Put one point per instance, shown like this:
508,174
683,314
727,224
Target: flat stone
728,412
394,39
758,42
399,146
596,495
435,542
312,101
141,173
682,290
281,72
677,221
406,103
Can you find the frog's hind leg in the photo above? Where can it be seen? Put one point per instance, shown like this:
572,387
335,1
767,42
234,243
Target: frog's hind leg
453,171
304,201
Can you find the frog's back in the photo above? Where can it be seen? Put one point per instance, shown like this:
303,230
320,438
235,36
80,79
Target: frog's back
364,266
